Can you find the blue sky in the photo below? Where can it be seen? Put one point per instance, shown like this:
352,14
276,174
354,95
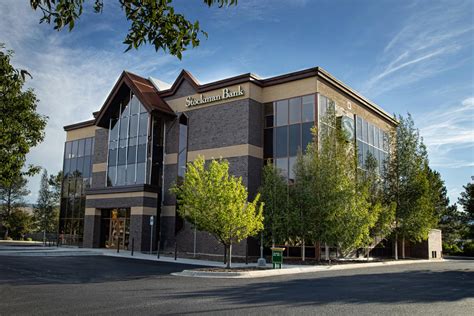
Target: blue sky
407,56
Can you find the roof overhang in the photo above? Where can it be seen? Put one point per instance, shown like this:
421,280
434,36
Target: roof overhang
144,90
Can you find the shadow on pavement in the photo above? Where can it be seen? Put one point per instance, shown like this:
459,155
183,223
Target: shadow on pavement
421,286
33,270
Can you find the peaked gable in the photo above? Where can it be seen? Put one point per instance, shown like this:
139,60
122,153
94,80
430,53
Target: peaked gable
142,88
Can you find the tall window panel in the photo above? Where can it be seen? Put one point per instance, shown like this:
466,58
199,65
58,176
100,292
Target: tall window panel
326,113
77,173
371,140
128,145
287,131
182,146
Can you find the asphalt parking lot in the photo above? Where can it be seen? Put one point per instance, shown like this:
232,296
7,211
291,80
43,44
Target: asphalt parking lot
40,285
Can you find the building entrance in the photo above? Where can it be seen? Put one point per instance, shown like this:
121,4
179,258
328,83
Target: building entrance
116,228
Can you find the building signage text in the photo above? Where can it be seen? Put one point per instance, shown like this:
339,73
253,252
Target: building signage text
226,94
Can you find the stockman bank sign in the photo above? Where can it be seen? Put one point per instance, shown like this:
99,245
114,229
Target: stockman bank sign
226,94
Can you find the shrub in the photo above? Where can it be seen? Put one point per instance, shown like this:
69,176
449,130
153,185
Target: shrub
468,249
451,249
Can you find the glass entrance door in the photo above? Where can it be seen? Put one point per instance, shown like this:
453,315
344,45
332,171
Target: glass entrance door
117,227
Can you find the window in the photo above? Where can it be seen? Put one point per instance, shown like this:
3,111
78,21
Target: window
295,110
128,144
294,139
327,111
281,142
77,172
281,110
308,108
182,145
371,140
288,130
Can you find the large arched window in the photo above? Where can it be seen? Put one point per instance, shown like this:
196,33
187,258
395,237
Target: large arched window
128,141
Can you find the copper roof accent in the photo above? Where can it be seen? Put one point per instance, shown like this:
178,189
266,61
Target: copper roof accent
142,88
147,93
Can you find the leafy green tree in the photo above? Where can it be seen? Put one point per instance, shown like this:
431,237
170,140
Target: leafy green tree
12,193
467,202
21,127
274,195
20,223
301,201
439,193
453,225
407,180
341,211
151,21
45,213
384,212
217,202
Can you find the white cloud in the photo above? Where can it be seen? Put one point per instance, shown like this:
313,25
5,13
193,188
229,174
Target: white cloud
71,81
423,47
448,131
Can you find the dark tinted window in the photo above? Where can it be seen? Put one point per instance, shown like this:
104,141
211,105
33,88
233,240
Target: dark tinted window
281,149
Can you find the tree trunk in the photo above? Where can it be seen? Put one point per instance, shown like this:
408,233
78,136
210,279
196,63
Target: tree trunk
403,247
326,251
368,253
225,254
396,246
6,233
317,251
229,261
303,251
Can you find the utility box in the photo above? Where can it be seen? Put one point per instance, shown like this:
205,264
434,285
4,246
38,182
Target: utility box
277,257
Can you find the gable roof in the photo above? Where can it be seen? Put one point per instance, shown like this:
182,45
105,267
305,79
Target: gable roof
142,88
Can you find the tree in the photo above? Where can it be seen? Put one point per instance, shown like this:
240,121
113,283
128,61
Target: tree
439,193
20,223
274,195
341,211
12,193
45,212
217,202
453,225
151,22
384,211
301,201
466,200
407,180
21,127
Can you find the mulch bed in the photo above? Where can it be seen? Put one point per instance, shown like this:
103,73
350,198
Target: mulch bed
239,269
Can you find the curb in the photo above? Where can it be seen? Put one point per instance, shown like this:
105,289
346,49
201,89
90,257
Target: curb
50,253
295,270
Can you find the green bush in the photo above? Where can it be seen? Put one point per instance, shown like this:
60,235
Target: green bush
468,249
29,239
451,249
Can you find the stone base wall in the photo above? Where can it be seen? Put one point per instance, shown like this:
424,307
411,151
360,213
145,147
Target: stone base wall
92,232
205,242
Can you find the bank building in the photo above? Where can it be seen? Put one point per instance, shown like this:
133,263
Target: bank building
119,166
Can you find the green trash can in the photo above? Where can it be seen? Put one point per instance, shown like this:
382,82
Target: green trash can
277,257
